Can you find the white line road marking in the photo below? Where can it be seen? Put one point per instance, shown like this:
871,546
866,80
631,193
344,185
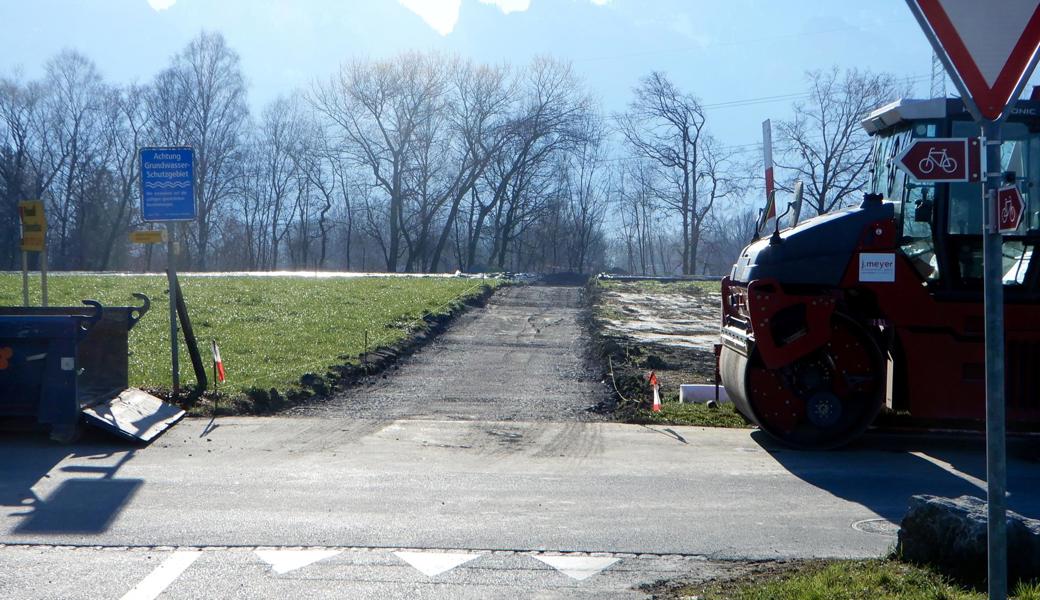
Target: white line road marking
165,574
578,567
283,561
432,564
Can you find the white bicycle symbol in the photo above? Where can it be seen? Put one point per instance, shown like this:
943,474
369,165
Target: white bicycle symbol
937,158
1008,213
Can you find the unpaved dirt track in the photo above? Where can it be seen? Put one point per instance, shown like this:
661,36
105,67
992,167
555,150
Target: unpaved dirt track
522,357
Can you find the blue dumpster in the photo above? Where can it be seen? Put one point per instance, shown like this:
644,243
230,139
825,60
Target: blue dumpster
63,365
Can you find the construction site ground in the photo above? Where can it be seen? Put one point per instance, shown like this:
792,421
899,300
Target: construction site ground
669,328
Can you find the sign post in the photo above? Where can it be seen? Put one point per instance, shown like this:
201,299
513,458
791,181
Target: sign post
34,239
168,196
989,50
996,434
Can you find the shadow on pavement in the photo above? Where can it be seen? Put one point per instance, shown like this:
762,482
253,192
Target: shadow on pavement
881,472
80,505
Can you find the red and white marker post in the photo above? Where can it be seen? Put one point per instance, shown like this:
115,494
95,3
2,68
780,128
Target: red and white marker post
218,363
767,159
652,378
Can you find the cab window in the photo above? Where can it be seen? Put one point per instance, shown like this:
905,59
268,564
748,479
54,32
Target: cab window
916,203
1019,153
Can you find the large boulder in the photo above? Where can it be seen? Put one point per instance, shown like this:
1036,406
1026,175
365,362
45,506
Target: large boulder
950,534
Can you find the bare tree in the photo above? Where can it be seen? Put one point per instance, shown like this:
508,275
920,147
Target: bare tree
639,209
377,107
665,125
587,196
325,169
725,236
718,177
824,145
280,139
70,117
478,114
548,120
254,210
29,161
124,123
200,101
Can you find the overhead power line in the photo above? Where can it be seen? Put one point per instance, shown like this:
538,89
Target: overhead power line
728,43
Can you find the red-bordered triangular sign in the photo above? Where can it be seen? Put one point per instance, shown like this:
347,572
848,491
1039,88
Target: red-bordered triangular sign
991,45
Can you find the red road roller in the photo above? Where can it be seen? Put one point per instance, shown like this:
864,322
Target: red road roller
826,322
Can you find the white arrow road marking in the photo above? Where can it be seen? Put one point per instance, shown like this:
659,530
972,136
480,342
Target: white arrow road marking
433,564
283,561
578,567
163,575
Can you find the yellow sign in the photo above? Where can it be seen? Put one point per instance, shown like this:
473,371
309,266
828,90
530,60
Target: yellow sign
148,236
34,225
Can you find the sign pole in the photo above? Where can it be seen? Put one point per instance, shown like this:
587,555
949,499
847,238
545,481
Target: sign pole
990,79
171,277
993,297
25,278
168,196
43,275
34,239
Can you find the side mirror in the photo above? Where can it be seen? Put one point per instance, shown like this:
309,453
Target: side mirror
923,211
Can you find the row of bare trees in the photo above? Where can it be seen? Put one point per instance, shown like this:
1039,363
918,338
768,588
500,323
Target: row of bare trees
421,162
687,203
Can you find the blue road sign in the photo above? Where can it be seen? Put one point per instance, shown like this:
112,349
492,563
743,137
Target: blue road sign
167,184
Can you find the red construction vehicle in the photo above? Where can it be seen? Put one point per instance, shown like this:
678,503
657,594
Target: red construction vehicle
826,322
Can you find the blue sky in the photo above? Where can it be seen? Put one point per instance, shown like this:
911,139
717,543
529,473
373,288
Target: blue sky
720,51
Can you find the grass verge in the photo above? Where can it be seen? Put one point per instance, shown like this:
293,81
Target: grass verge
835,580
282,339
673,413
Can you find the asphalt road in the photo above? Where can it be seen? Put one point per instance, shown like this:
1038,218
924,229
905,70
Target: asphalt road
395,504
96,520
520,357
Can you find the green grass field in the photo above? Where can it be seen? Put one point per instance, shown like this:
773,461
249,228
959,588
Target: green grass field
271,331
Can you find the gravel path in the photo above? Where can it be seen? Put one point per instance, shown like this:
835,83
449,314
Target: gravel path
520,358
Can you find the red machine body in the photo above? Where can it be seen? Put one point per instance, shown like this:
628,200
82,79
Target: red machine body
826,322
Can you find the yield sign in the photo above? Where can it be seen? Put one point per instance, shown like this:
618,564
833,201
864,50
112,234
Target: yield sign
989,47
1009,209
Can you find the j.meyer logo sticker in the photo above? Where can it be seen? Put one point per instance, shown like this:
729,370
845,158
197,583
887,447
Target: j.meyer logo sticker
877,267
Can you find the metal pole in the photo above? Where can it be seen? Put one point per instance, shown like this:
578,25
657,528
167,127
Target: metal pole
25,278
43,273
993,282
171,277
